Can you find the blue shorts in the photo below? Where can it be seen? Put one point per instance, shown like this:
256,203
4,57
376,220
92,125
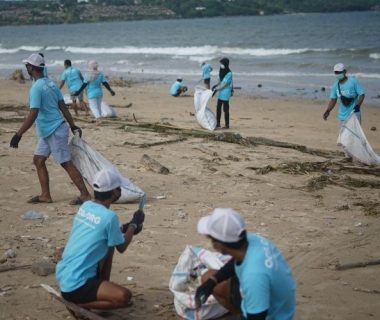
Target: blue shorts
55,144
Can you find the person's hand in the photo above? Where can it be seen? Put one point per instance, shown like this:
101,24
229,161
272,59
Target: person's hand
214,92
15,140
326,115
138,217
76,93
357,108
137,230
203,292
76,130
213,87
112,92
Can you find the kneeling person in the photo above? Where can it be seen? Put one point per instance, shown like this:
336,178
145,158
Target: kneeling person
84,271
257,282
178,88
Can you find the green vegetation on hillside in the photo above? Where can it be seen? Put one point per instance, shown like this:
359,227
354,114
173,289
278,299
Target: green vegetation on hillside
70,11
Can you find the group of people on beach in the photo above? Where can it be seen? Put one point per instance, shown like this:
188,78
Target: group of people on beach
224,87
256,283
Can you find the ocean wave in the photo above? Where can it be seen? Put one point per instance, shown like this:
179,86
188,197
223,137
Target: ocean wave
191,51
374,55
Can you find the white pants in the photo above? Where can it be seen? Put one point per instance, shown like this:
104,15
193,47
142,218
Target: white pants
95,105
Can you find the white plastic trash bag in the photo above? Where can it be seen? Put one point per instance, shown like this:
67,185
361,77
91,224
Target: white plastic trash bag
88,161
107,111
204,115
354,142
67,99
186,278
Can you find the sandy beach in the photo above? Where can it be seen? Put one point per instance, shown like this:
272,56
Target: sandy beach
318,220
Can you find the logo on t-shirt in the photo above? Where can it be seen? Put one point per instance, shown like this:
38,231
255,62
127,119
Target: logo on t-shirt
88,217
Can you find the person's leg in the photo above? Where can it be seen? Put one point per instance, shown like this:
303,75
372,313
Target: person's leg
226,109
77,179
218,112
43,177
222,293
74,105
207,83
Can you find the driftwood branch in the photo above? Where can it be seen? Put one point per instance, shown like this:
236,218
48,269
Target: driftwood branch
367,290
147,145
153,165
74,309
357,264
11,268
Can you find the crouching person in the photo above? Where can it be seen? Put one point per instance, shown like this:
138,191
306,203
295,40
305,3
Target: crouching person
84,271
257,283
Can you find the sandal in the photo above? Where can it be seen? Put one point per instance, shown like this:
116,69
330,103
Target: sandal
36,199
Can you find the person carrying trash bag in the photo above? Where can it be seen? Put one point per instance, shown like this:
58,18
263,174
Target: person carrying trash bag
48,112
225,89
84,271
257,282
350,94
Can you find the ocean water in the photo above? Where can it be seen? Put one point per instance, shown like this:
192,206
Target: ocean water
288,55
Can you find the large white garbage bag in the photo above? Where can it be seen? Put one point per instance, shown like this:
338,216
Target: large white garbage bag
186,278
354,142
67,99
204,115
107,110
88,161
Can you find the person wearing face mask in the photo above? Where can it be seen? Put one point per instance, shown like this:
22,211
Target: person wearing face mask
84,271
225,89
349,92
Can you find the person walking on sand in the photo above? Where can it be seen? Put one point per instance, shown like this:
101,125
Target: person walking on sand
48,112
178,88
257,283
225,89
94,81
206,74
350,93
85,269
74,79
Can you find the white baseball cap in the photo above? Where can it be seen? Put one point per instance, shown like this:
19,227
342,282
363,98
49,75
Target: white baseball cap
106,180
223,224
35,59
339,67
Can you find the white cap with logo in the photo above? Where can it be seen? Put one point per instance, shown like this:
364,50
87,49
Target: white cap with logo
35,59
339,67
223,224
106,180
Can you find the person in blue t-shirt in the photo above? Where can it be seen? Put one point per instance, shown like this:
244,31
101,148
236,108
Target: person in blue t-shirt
257,282
206,74
178,88
349,92
74,79
94,80
225,89
48,111
84,271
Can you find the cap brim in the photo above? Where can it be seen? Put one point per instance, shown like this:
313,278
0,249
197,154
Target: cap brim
203,225
25,61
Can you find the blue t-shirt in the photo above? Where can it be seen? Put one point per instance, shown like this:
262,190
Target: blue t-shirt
44,95
225,87
45,72
72,77
175,87
94,87
95,229
350,89
206,71
266,281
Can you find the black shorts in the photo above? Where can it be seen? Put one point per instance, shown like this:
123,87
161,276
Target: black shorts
206,81
235,297
84,294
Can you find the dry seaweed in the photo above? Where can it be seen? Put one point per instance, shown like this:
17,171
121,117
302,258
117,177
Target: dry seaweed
370,208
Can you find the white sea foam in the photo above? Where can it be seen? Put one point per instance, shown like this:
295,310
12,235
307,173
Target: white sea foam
374,55
51,48
30,48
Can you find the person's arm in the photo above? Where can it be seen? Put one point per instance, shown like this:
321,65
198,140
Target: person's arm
66,113
84,85
61,84
128,235
330,106
360,100
28,122
81,76
130,229
106,84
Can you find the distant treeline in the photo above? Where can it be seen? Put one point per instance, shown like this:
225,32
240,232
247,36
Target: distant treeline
74,11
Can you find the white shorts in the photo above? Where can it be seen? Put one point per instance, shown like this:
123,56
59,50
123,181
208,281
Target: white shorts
55,144
95,105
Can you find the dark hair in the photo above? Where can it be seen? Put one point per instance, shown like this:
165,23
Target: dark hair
103,195
67,62
235,245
